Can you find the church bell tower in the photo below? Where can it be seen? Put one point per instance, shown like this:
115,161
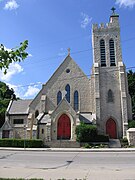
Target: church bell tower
111,98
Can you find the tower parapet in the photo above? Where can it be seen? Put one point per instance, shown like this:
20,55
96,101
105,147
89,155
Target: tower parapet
113,23
108,34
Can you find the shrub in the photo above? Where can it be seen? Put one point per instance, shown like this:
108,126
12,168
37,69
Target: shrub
94,145
124,142
85,132
88,133
87,145
131,124
28,143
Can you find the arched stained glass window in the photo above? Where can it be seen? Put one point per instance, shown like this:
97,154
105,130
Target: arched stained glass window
102,52
59,97
67,88
76,101
112,52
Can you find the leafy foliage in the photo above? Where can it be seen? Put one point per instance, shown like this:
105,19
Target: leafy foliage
29,143
85,132
13,55
131,124
8,56
88,133
124,143
6,94
97,145
131,87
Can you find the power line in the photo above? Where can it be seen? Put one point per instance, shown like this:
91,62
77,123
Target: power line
75,52
75,77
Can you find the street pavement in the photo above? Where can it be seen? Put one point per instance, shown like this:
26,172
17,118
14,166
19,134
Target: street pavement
71,164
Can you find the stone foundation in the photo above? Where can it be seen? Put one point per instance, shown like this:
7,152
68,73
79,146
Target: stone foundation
62,144
131,136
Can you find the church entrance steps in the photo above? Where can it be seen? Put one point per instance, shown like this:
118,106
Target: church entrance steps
114,143
62,144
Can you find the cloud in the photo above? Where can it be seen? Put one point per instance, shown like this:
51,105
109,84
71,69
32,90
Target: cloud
85,20
23,92
11,5
31,91
126,3
6,49
30,55
18,89
14,69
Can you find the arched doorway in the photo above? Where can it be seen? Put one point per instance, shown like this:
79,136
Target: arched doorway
64,127
111,128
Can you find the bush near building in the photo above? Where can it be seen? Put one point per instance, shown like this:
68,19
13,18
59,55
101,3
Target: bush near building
88,133
131,124
35,143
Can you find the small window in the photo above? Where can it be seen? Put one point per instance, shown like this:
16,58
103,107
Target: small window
76,101
42,131
102,52
110,97
67,70
67,88
18,121
36,113
112,52
59,97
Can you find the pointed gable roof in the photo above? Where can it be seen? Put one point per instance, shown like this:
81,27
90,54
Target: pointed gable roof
6,126
68,61
67,108
64,66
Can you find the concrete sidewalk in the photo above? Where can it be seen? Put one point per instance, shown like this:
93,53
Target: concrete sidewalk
70,149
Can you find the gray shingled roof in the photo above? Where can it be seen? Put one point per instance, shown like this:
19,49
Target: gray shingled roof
86,118
20,106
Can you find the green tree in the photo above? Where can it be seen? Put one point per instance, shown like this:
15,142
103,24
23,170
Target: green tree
6,94
131,87
8,56
13,55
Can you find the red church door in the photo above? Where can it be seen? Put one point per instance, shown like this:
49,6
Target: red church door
111,129
64,127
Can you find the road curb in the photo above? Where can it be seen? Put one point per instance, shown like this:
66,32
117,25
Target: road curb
70,149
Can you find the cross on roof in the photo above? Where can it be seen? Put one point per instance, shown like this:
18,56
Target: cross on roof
68,51
113,10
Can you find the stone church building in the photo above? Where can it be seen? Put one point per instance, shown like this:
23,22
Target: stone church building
70,97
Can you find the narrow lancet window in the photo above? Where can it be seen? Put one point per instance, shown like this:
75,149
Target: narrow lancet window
112,52
76,101
36,113
102,52
67,88
110,97
59,97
